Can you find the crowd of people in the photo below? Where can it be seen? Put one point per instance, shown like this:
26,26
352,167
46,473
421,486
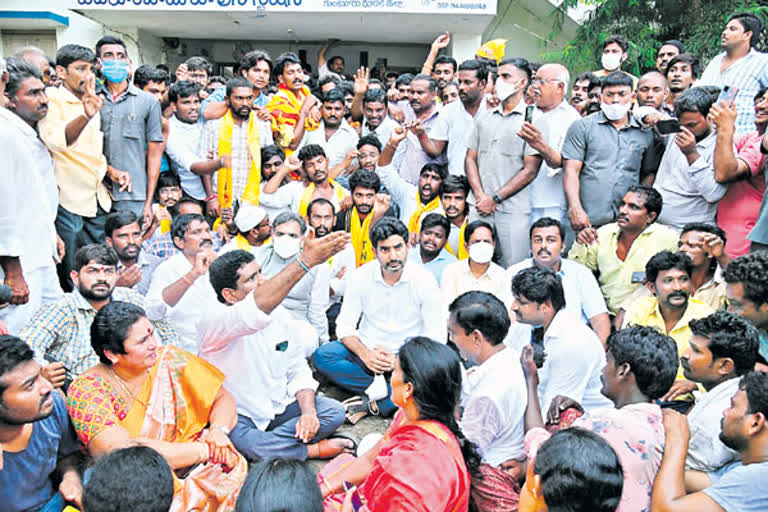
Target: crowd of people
556,287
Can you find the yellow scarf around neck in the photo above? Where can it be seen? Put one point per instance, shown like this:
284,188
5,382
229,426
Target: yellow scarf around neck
414,223
361,237
309,191
462,254
224,180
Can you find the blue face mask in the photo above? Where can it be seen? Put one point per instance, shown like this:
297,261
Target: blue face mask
114,70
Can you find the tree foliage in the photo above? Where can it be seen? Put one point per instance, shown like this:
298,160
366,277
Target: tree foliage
646,24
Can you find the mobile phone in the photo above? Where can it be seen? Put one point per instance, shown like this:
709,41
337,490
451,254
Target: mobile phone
727,95
68,377
667,126
529,113
357,502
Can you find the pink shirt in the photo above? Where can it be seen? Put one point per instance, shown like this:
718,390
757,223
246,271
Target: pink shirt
739,207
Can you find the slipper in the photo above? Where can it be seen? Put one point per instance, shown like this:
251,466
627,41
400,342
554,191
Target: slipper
356,409
325,449
352,402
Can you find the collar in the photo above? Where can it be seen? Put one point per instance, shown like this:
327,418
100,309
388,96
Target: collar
495,363
343,126
405,277
519,108
690,312
468,271
18,122
132,89
633,121
614,229
178,122
62,93
554,326
80,302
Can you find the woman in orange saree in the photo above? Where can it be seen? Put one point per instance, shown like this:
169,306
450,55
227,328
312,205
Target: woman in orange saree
161,397
423,463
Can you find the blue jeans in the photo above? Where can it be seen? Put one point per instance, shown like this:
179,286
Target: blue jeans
342,367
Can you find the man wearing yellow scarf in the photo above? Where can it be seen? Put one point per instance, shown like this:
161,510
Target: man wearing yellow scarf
453,197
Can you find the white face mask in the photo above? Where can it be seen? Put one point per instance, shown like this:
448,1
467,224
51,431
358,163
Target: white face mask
611,61
286,246
615,111
505,89
481,252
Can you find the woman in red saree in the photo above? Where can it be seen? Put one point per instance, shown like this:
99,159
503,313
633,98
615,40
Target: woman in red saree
161,397
423,462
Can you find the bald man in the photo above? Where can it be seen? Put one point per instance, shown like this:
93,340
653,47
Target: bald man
550,89
652,90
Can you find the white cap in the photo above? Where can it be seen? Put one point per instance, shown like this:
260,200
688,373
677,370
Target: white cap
248,217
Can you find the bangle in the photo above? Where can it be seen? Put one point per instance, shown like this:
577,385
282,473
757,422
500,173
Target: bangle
302,264
187,280
210,198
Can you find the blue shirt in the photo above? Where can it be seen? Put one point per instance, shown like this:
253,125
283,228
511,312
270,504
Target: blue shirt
435,266
25,483
738,490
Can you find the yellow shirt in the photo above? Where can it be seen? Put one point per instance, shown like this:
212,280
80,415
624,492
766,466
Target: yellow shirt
616,275
81,166
711,293
646,312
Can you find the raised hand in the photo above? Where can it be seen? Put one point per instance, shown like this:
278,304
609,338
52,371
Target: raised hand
361,80
92,102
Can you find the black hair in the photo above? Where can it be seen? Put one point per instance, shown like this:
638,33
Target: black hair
617,78
109,40
426,78
146,73
454,183
445,59
704,227
234,83
616,39
194,63
273,150
18,71
110,328
729,336
481,311
404,79
375,96
311,151
183,89
280,485
70,53
539,284
217,79
102,254
336,57
320,201
751,23
687,58
252,58
579,470
751,270
432,220
181,223
223,271
287,216
333,96
185,199
653,200
327,79
548,222
347,88
672,42
651,355
375,81
520,63
369,140
386,227
441,170
283,60
435,371
365,179
168,179
594,81
696,99
480,69
667,260
130,479
477,224
13,352
118,219
755,385
761,93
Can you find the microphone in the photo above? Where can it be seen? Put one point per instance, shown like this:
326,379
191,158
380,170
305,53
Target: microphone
5,295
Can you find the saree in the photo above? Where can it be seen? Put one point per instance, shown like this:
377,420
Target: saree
285,108
419,469
178,394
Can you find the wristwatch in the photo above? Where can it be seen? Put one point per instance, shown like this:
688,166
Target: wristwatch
496,199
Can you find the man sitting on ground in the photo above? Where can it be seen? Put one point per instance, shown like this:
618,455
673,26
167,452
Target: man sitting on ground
453,199
430,251
252,224
135,267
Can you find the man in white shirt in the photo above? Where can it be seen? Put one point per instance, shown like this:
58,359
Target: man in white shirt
334,134
261,352
28,240
574,355
723,347
253,229
583,297
493,392
180,291
386,302
378,123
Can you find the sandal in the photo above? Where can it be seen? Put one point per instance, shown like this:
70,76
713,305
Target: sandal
325,449
359,407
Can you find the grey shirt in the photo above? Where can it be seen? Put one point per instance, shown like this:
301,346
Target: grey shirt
128,124
501,154
614,160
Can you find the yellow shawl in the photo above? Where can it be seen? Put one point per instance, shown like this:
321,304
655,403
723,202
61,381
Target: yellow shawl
361,237
414,223
462,253
309,191
224,185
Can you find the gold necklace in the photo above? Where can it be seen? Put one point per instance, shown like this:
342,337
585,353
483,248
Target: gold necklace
125,386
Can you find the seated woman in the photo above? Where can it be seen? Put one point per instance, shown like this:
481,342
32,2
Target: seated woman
163,398
423,462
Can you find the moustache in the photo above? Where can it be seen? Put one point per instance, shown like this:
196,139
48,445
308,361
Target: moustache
322,231
394,263
543,251
206,243
45,399
100,283
679,294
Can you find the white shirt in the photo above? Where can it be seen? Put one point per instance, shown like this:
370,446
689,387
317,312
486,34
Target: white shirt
29,198
288,197
186,313
454,125
245,344
574,362
336,148
405,194
583,297
458,278
494,398
388,315
183,150
547,188
706,452
346,260
383,133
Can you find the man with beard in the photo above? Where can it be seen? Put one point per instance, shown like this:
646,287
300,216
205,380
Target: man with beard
256,67
738,488
682,72
378,121
272,158
386,302
454,124
37,439
60,333
430,251
334,66
426,113
28,241
235,142
334,134
253,229
453,199
582,85
442,68
671,308
135,267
